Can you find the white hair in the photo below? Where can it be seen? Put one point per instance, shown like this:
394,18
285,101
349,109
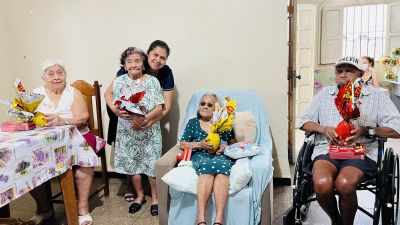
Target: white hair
52,62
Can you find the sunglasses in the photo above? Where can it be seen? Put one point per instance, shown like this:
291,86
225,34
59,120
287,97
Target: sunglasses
346,71
208,104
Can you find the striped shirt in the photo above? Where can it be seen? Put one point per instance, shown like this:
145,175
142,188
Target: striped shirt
376,109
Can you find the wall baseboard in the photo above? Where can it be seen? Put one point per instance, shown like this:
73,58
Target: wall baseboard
282,181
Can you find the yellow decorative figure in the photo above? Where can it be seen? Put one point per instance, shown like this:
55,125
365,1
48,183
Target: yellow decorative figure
39,120
23,107
222,121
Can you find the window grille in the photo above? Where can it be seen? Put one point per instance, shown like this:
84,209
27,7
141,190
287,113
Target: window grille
364,30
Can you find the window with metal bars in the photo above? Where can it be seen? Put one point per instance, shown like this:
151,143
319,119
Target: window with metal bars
364,30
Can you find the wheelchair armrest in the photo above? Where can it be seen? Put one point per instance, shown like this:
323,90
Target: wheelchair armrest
309,134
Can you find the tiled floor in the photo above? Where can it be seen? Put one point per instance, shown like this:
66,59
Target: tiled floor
114,209
105,211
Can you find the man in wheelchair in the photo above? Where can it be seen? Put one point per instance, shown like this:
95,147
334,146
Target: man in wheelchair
377,115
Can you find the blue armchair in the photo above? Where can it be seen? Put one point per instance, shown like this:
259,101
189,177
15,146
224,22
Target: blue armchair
250,206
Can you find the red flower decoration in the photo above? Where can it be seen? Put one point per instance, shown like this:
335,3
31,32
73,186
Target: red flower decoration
344,101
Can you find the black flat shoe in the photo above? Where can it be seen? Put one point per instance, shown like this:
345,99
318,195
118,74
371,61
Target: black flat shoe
154,210
136,206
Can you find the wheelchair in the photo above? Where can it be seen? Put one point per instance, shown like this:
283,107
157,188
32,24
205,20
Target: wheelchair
385,186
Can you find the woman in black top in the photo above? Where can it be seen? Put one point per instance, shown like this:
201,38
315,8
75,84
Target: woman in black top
155,65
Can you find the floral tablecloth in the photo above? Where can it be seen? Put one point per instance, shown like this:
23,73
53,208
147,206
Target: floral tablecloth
29,158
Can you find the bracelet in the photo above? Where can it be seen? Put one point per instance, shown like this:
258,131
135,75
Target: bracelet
191,145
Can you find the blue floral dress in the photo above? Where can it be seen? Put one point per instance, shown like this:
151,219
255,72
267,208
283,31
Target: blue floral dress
203,162
136,152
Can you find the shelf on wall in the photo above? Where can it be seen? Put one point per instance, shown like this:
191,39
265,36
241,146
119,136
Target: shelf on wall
391,81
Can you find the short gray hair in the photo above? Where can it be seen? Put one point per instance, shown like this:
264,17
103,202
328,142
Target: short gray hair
204,95
130,51
52,62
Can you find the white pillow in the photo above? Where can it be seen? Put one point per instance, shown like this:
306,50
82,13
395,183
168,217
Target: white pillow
240,175
184,178
242,149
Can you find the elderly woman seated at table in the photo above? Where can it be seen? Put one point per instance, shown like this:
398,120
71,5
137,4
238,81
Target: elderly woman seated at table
63,105
213,169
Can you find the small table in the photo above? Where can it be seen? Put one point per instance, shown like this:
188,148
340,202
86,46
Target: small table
30,158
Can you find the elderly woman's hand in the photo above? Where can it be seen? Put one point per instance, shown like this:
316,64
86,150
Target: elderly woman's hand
54,120
221,149
122,113
138,121
204,144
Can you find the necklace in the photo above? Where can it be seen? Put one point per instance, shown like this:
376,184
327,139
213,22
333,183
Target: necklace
206,126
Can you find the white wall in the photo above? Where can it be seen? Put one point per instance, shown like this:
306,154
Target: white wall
229,44
6,92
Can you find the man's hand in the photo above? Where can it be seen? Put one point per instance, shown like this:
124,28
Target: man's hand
354,135
331,135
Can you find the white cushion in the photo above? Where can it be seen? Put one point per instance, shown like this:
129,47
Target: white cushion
243,149
184,178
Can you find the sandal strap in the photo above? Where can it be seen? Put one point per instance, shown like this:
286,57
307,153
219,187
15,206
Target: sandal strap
85,219
216,223
202,223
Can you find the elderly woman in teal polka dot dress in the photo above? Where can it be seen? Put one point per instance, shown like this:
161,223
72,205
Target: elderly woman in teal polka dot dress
213,169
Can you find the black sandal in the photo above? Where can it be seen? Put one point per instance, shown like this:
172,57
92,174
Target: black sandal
218,223
154,210
202,223
136,206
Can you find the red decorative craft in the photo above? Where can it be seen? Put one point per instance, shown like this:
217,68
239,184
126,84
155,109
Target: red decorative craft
134,98
345,103
186,156
343,129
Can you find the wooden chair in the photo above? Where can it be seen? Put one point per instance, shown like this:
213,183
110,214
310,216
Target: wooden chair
89,91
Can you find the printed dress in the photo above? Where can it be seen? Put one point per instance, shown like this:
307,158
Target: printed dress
203,162
136,152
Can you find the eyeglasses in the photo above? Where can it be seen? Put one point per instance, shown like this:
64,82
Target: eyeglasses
208,104
346,71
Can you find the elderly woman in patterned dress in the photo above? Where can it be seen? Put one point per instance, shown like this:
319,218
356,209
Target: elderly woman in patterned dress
138,147
213,169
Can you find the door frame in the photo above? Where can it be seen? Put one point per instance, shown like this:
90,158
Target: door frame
291,76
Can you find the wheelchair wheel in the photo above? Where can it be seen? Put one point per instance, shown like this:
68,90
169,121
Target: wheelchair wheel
390,203
301,193
299,196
